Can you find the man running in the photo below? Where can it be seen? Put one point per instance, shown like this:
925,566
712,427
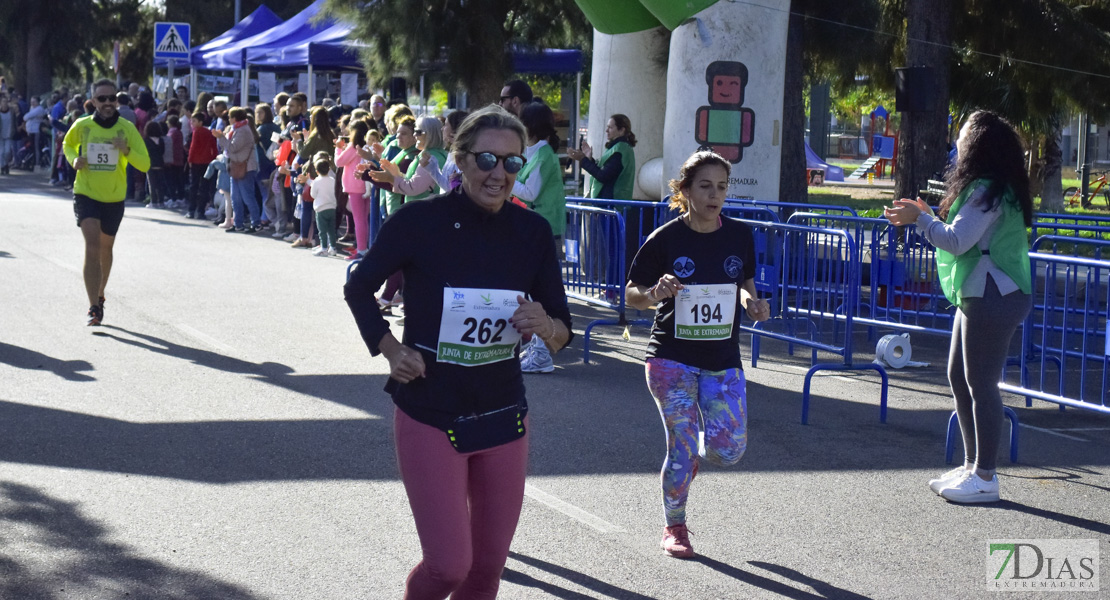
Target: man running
100,147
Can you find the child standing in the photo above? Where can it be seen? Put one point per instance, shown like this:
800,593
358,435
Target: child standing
218,169
156,148
324,200
175,166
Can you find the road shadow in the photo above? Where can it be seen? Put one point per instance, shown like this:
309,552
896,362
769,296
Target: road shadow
207,451
6,254
64,554
355,391
599,588
25,358
776,587
1051,515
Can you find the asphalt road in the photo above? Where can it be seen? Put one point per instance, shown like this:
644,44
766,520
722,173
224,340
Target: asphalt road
224,435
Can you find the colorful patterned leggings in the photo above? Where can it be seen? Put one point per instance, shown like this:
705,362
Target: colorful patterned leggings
682,392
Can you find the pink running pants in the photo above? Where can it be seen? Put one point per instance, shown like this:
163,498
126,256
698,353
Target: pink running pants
466,508
360,211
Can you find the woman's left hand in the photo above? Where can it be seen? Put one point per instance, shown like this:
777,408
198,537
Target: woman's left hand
530,318
906,211
758,309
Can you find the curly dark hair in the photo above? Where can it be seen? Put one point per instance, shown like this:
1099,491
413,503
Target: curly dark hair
990,148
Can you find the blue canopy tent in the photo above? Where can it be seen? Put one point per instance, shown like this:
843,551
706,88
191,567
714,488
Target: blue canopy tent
231,57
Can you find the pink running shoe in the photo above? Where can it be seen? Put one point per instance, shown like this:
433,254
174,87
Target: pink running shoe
676,541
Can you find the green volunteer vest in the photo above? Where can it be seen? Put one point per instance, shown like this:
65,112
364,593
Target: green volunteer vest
622,188
394,200
551,202
1009,248
441,157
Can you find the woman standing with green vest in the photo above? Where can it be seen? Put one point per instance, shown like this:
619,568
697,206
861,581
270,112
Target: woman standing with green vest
983,267
411,184
614,176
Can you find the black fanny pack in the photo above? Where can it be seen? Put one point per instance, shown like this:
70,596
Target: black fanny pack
487,430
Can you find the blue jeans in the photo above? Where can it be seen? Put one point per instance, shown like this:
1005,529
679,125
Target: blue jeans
243,199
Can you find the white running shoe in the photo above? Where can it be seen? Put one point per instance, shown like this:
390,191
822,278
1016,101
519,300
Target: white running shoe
537,359
320,251
947,479
971,489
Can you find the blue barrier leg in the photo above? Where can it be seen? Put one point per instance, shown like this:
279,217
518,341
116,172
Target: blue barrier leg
949,441
950,438
1012,416
840,367
755,348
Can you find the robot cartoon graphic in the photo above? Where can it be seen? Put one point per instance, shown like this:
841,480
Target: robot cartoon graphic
724,126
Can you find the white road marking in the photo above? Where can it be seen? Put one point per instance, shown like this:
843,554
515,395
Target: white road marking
207,339
569,510
1051,432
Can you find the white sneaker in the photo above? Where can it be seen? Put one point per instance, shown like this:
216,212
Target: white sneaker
278,235
320,251
537,360
947,479
292,237
332,252
971,489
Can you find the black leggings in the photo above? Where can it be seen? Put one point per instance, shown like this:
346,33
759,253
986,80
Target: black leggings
981,335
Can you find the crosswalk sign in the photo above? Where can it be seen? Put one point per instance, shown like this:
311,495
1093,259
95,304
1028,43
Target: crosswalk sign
171,40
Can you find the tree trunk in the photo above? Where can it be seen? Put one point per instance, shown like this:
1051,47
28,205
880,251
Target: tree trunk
1052,192
1035,166
793,185
922,144
37,78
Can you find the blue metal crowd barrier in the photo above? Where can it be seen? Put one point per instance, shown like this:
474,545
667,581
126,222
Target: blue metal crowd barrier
1065,335
594,263
1071,230
818,272
1065,219
898,272
785,209
1070,246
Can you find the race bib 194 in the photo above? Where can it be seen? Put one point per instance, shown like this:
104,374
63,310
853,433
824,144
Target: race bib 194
102,157
474,328
705,312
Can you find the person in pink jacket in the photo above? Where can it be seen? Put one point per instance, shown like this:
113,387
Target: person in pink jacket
347,156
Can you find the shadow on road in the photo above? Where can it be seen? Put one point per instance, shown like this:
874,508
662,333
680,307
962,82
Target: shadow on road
825,590
600,588
357,391
1080,522
64,554
23,358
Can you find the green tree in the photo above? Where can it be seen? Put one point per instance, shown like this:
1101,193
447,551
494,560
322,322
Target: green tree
465,41
826,41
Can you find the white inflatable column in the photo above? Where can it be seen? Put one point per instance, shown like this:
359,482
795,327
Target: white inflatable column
738,110
629,79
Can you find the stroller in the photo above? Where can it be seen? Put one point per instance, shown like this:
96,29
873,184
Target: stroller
25,158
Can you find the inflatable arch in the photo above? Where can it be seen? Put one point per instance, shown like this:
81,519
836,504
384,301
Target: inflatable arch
719,85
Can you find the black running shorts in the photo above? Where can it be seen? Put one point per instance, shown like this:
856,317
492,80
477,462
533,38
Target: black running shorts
110,214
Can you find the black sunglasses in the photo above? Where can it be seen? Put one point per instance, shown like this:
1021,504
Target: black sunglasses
106,98
418,132
504,98
487,161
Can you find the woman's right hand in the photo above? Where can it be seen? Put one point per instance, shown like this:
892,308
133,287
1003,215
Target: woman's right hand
587,151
